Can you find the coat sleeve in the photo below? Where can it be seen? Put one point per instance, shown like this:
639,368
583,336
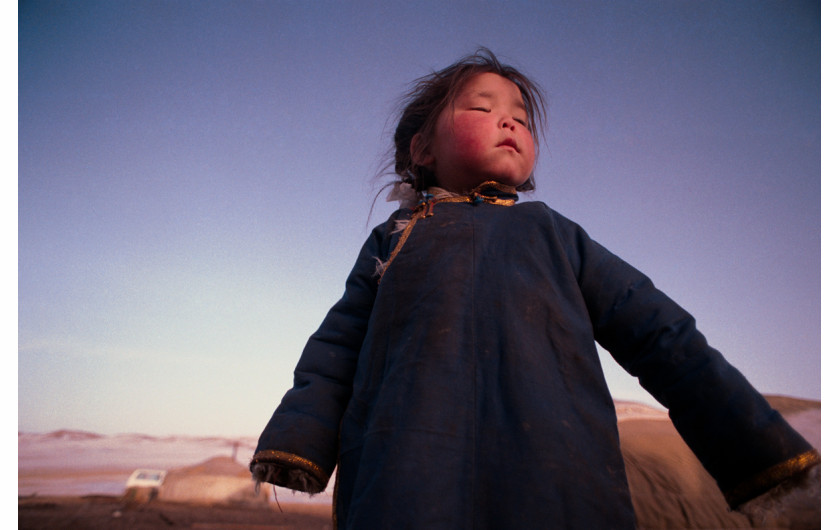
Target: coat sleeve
298,448
744,444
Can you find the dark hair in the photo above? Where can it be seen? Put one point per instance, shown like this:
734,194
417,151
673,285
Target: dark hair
430,95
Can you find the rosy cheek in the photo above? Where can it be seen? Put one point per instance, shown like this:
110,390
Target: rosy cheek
528,147
469,147
468,139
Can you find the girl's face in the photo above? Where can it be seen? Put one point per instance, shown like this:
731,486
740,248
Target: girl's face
484,135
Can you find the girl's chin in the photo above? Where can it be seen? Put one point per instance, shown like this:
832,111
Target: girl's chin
467,184
509,181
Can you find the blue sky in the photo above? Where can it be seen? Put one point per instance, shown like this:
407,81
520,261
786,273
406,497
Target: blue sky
195,180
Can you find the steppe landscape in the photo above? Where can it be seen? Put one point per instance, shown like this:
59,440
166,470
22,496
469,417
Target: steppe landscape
73,479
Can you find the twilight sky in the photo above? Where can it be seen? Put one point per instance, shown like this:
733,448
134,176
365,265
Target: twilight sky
195,180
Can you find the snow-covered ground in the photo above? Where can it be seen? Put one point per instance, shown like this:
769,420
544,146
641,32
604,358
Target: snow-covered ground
81,463
81,450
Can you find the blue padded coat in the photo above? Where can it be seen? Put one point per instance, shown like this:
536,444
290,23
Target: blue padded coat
463,390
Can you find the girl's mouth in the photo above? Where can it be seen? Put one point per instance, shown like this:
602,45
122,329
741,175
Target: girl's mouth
509,142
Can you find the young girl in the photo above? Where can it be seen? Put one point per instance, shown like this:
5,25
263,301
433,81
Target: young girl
456,383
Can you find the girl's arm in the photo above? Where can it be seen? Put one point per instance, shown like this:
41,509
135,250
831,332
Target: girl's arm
744,444
299,447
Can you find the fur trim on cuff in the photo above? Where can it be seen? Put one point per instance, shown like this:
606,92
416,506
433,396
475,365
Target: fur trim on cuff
791,471
794,503
289,471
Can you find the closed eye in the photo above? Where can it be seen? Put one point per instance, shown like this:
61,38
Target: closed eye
521,121
524,123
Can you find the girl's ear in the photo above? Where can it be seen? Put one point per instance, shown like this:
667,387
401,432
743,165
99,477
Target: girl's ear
422,158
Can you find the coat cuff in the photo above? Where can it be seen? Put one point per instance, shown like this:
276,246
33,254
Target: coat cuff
770,478
289,471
